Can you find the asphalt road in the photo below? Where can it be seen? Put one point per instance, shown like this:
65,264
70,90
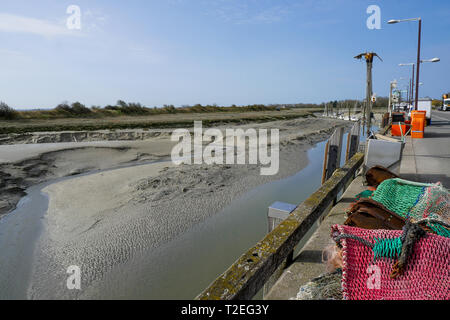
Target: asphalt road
428,159
440,116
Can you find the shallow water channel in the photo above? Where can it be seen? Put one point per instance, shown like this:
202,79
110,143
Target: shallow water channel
179,269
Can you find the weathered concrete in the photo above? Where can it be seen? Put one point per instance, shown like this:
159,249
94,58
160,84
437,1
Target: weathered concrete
428,159
308,263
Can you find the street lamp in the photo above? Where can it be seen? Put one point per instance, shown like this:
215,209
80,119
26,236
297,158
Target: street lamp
418,53
411,91
431,60
413,64
392,86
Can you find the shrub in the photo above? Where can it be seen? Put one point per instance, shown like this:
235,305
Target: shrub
114,108
6,112
80,109
63,108
130,108
76,109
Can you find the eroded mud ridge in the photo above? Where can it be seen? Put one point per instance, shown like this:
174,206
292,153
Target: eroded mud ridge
80,136
16,177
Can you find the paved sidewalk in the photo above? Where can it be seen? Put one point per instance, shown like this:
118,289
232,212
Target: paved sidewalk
428,159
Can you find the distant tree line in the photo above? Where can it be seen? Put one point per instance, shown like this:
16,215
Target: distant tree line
78,109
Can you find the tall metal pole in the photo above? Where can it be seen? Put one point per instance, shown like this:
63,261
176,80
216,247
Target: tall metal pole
390,97
418,65
407,94
369,95
410,92
412,84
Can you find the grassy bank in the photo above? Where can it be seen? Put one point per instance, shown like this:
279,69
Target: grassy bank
147,121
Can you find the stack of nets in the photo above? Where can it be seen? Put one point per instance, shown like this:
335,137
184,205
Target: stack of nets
366,277
416,201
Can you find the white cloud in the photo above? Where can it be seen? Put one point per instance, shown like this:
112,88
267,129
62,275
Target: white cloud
20,24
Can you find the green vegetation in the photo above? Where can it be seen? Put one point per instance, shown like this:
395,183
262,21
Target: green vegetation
77,117
121,108
6,112
147,121
436,103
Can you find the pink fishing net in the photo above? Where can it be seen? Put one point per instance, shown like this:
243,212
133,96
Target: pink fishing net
426,277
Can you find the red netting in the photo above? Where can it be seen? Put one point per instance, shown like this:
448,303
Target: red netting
426,277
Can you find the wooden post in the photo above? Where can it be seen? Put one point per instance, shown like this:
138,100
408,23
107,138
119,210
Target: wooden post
332,154
325,161
349,106
352,141
369,97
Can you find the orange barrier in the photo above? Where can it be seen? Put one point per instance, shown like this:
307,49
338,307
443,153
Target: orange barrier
418,124
421,114
398,129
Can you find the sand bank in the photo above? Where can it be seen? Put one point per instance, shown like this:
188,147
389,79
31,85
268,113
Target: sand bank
101,220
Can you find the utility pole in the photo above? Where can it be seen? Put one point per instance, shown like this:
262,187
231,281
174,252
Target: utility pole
393,85
412,85
363,111
368,56
349,106
418,66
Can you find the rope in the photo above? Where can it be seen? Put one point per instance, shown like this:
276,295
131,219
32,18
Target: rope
440,230
440,227
338,238
434,221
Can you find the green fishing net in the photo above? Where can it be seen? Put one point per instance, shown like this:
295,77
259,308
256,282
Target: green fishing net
398,195
416,201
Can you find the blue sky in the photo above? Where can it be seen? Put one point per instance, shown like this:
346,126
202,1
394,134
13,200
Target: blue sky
213,51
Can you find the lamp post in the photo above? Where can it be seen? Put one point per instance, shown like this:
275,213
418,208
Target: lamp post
412,79
418,53
393,85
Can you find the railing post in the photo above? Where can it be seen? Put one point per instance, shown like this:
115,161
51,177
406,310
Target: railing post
277,212
332,157
352,141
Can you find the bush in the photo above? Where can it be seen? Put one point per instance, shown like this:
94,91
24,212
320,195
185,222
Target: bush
114,108
76,109
63,108
80,109
129,108
6,112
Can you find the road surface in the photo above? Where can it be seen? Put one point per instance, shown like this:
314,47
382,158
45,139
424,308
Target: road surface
428,159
